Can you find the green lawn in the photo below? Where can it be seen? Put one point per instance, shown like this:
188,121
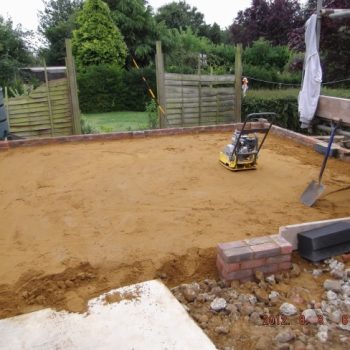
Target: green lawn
117,121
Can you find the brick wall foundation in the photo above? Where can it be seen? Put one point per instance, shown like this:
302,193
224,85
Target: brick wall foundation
239,260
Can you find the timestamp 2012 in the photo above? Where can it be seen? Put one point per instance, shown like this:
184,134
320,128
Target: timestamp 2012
282,320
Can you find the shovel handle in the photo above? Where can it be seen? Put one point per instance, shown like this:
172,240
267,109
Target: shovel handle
333,130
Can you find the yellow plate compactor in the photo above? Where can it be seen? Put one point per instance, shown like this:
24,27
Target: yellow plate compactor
242,152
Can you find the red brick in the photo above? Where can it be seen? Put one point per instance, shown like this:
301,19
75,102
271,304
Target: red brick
272,268
236,254
286,247
285,265
279,259
237,275
221,265
250,264
346,257
258,240
265,250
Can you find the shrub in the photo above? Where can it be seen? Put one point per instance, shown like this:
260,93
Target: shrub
271,75
151,109
87,127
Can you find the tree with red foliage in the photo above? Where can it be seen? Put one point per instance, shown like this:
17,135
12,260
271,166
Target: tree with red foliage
334,41
271,20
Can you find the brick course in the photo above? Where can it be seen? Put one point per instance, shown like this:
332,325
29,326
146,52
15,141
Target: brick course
239,260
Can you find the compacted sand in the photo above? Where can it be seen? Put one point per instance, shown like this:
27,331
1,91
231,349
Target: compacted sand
78,219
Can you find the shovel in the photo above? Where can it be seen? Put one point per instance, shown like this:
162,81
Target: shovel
315,189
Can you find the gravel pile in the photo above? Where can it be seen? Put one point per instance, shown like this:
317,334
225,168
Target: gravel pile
274,312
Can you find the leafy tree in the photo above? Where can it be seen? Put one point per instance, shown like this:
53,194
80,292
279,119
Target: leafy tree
180,15
215,34
56,23
183,47
249,24
135,20
284,15
270,20
14,52
97,40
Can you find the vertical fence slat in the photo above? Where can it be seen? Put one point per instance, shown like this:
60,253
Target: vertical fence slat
199,91
48,98
73,88
217,110
182,103
7,107
238,84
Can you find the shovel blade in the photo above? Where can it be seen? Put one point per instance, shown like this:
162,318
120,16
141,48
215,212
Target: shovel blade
311,193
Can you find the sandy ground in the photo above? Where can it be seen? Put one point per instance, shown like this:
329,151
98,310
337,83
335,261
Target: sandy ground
79,219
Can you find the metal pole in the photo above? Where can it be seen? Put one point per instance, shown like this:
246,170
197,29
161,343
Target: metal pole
336,13
318,26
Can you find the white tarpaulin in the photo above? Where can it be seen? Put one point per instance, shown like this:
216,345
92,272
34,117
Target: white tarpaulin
311,86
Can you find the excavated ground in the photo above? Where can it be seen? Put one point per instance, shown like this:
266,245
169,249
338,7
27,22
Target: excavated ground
80,219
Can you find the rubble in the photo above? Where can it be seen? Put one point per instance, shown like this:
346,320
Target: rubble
288,309
223,309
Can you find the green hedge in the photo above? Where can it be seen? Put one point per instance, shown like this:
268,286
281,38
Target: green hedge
285,107
108,88
270,75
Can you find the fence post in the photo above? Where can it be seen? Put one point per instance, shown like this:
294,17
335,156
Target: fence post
48,97
160,82
73,88
238,83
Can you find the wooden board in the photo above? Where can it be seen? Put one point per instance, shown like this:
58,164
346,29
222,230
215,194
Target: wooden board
200,78
334,108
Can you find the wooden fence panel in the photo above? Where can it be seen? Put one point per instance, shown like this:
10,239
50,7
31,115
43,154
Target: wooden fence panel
46,111
199,99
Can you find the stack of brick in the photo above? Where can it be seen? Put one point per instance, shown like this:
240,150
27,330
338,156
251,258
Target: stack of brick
240,260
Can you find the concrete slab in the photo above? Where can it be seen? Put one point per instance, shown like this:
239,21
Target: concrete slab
141,316
290,232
